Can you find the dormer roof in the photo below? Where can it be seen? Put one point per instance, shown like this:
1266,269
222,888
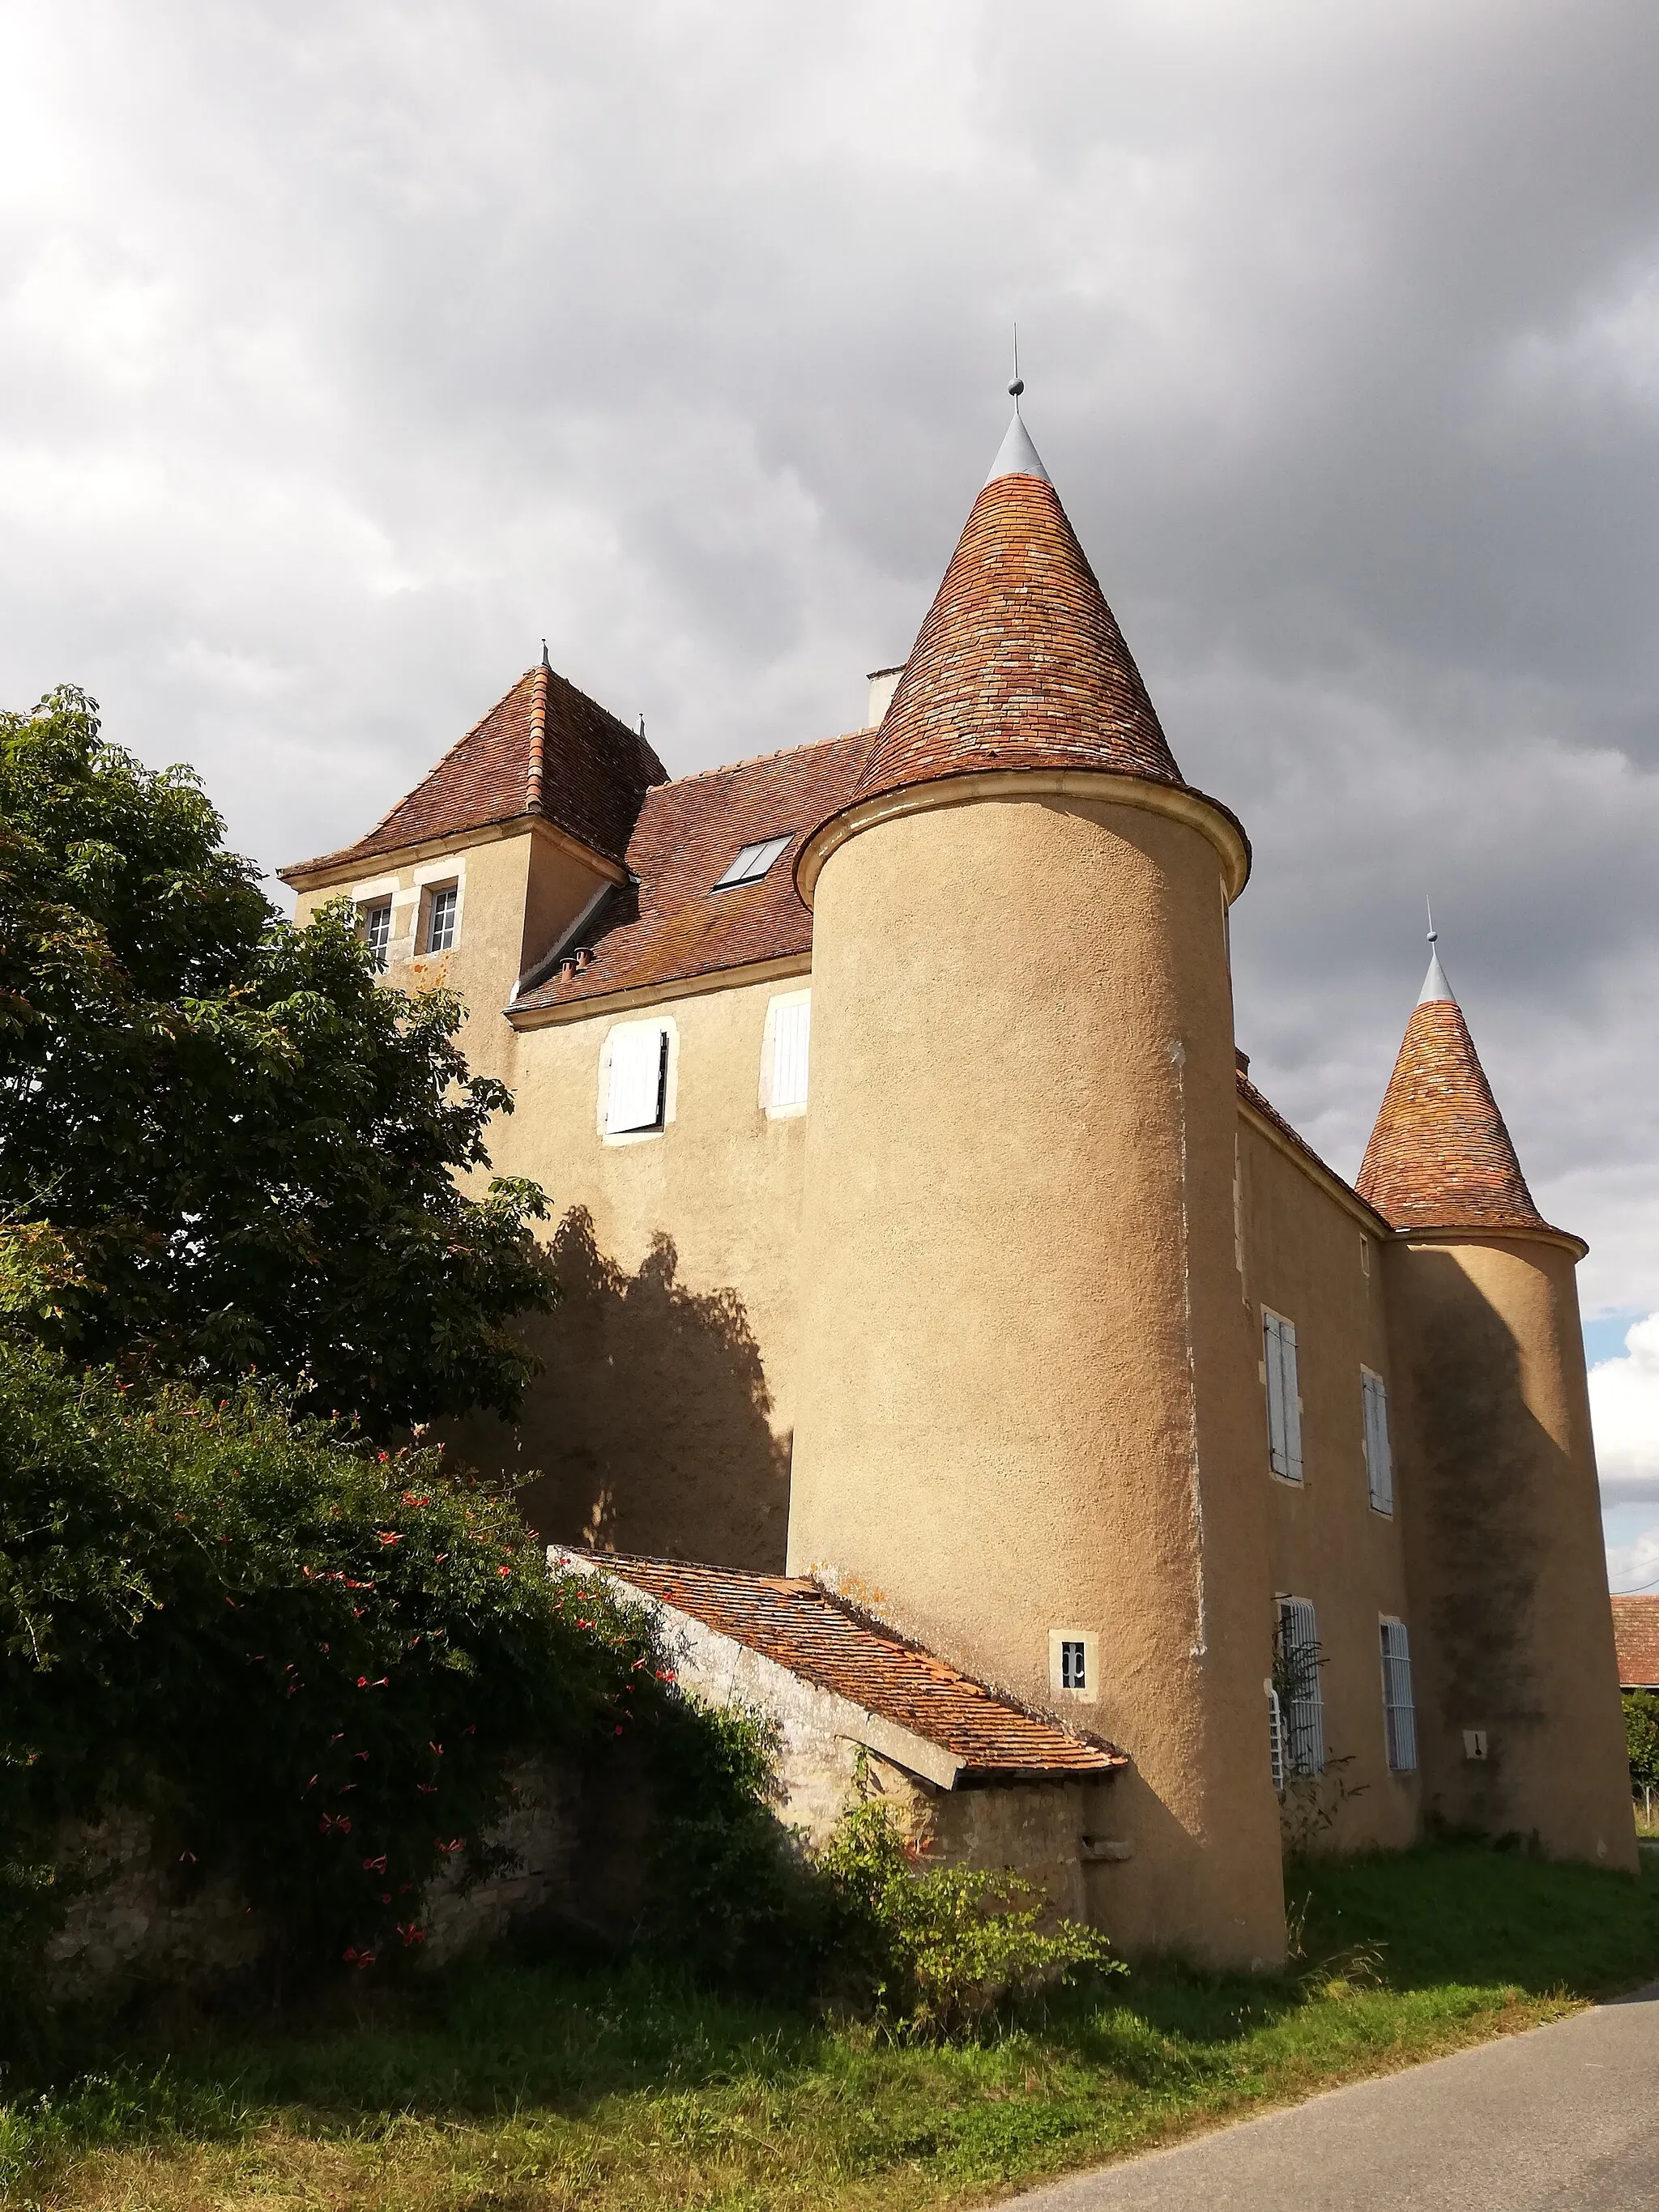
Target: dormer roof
544,749
1020,663
1440,1156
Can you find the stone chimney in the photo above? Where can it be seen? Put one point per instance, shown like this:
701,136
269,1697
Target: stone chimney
883,683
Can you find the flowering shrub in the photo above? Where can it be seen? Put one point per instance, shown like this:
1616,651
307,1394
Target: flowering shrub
313,1663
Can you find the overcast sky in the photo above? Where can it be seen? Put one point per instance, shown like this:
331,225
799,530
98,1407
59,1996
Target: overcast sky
348,349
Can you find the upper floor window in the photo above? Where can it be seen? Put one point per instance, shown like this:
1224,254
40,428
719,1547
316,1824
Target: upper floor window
787,1054
1379,1458
1399,1712
442,911
1283,1404
753,861
377,930
636,1094
1296,1681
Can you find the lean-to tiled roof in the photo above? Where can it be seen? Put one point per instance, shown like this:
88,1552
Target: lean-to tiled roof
677,925
1636,1633
824,1642
1020,663
1440,1157
543,748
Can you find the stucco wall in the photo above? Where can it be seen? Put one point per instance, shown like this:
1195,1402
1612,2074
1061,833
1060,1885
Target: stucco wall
1504,1537
1308,1258
1026,1379
663,1421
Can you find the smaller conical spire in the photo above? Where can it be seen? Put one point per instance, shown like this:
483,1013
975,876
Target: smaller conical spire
1435,985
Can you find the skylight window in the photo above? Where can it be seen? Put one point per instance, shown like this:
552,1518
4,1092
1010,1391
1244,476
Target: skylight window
753,862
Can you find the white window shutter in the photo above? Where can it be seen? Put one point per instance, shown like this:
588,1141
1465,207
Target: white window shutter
1399,1706
1304,1717
639,1066
792,1038
1379,1456
1277,1454
1292,1400
1275,1742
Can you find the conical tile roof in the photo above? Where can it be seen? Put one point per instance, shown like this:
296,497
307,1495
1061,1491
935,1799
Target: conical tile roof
1020,663
1440,1157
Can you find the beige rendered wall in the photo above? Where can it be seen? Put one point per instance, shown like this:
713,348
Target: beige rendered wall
1028,1398
1308,1258
1504,1545
662,1421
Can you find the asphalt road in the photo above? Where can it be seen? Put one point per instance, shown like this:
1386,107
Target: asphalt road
1566,2116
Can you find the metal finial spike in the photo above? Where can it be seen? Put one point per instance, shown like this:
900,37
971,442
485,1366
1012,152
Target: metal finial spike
1433,933
1018,384
546,663
641,726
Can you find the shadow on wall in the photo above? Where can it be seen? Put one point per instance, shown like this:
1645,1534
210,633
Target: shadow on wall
649,1429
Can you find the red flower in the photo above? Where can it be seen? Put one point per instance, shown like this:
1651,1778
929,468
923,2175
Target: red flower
389,1536
336,1823
411,1932
375,1866
455,1843
503,1571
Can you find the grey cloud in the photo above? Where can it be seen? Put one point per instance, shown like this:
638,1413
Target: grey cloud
347,352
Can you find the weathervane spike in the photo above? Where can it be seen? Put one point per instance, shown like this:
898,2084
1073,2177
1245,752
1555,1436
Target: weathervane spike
1018,384
1433,933
546,663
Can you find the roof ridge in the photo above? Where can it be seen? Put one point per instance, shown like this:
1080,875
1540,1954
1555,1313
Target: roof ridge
759,760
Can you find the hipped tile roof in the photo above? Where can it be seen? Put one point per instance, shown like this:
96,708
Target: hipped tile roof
1636,1633
543,748
1440,1157
1020,663
825,1642
677,925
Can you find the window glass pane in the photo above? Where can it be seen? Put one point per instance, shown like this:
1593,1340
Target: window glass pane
377,931
753,861
440,919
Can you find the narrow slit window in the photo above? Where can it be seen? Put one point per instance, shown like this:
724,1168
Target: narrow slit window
1283,1404
638,1091
377,931
753,861
1399,1708
1073,1664
1296,1664
442,907
1379,1456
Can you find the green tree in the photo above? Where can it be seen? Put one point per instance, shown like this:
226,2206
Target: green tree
249,1147
1642,1738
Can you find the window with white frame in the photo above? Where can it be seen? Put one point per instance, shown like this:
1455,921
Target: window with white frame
376,929
443,906
636,1091
792,1043
1296,1678
1284,1405
753,861
1399,1709
1379,1459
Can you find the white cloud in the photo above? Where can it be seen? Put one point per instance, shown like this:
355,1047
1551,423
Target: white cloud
1624,1410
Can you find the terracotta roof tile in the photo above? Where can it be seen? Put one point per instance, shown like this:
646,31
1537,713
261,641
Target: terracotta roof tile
543,748
1440,1157
1636,1633
678,926
1020,663
823,1641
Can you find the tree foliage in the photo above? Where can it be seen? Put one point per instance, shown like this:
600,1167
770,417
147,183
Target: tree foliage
314,1665
1642,1738
248,1146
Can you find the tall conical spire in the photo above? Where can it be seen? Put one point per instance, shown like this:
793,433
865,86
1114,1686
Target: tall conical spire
1020,663
1440,1156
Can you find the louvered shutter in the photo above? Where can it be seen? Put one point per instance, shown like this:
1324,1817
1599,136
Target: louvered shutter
1304,1713
1292,1400
639,1066
1275,1742
1379,1456
1399,1707
792,1036
1277,1458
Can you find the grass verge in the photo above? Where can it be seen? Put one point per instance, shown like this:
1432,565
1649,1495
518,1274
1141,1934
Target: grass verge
516,2088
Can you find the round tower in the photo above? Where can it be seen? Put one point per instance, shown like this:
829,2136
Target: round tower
1028,1416
1517,1685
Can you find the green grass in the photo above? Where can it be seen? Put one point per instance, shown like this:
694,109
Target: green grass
500,2087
